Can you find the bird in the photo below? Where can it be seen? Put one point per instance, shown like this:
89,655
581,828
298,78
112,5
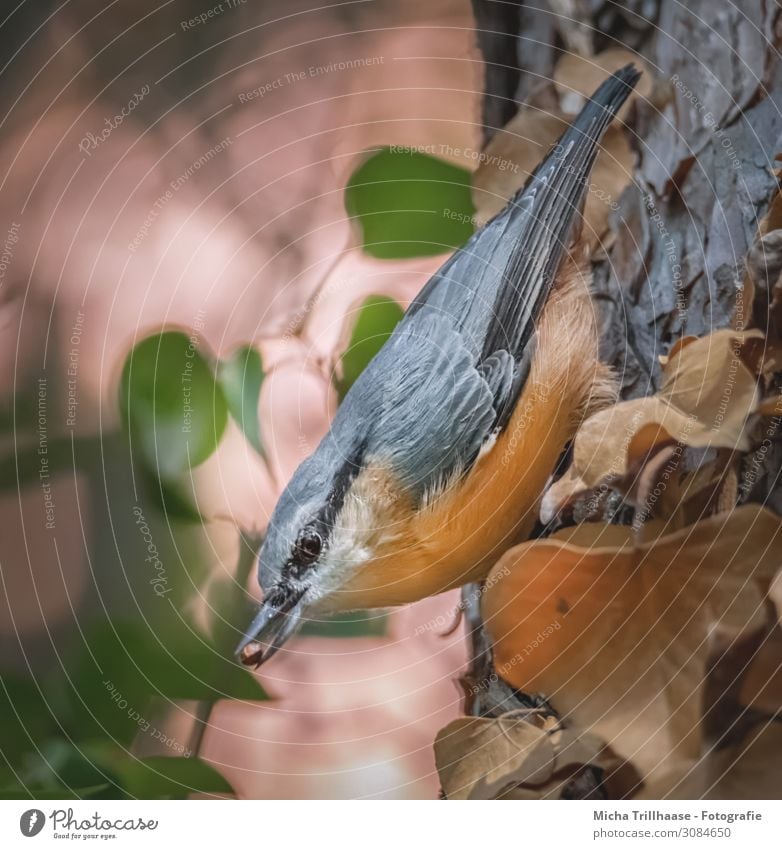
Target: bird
436,459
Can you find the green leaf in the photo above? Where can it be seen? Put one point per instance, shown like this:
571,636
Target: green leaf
65,770
410,204
172,405
377,318
105,790
227,598
169,498
100,769
241,377
227,601
125,664
171,778
17,790
26,713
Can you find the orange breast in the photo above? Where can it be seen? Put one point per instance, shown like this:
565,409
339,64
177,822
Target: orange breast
459,535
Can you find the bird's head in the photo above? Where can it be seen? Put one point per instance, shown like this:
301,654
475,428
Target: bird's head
329,523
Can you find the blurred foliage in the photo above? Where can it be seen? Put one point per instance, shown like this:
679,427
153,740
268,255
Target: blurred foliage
409,204
59,769
167,496
174,408
171,778
377,318
241,377
71,726
69,733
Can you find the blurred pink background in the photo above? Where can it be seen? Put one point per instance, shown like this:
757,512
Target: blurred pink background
240,245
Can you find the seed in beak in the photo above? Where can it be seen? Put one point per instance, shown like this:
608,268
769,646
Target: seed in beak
252,655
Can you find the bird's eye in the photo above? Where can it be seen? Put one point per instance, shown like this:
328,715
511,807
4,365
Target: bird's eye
308,546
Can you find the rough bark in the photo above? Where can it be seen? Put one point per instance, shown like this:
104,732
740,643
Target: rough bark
705,142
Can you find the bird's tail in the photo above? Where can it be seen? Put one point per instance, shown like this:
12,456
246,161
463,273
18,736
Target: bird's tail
542,213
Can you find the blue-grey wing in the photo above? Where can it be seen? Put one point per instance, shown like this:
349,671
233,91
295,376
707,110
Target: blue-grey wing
454,368
494,289
424,404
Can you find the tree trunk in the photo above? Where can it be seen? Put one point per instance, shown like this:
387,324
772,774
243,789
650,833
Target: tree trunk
705,141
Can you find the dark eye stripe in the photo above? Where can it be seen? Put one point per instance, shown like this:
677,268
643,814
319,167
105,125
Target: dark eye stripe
322,524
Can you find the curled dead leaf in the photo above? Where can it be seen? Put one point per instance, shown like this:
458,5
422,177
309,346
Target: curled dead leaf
619,637
771,406
563,492
709,391
761,687
509,757
748,770
775,594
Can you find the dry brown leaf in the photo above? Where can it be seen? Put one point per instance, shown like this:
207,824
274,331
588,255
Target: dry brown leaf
515,151
619,637
749,770
480,758
561,493
552,790
679,485
771,406
680,343
595,536
775,594
653,487
708,393
576,78
697,378
762,685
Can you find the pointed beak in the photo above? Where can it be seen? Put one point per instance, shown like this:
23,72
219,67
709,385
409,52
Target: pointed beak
277,619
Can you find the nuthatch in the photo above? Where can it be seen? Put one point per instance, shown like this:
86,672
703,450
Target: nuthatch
436,460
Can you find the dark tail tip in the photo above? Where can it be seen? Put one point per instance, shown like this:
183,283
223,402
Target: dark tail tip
607,100
629,74
613,92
